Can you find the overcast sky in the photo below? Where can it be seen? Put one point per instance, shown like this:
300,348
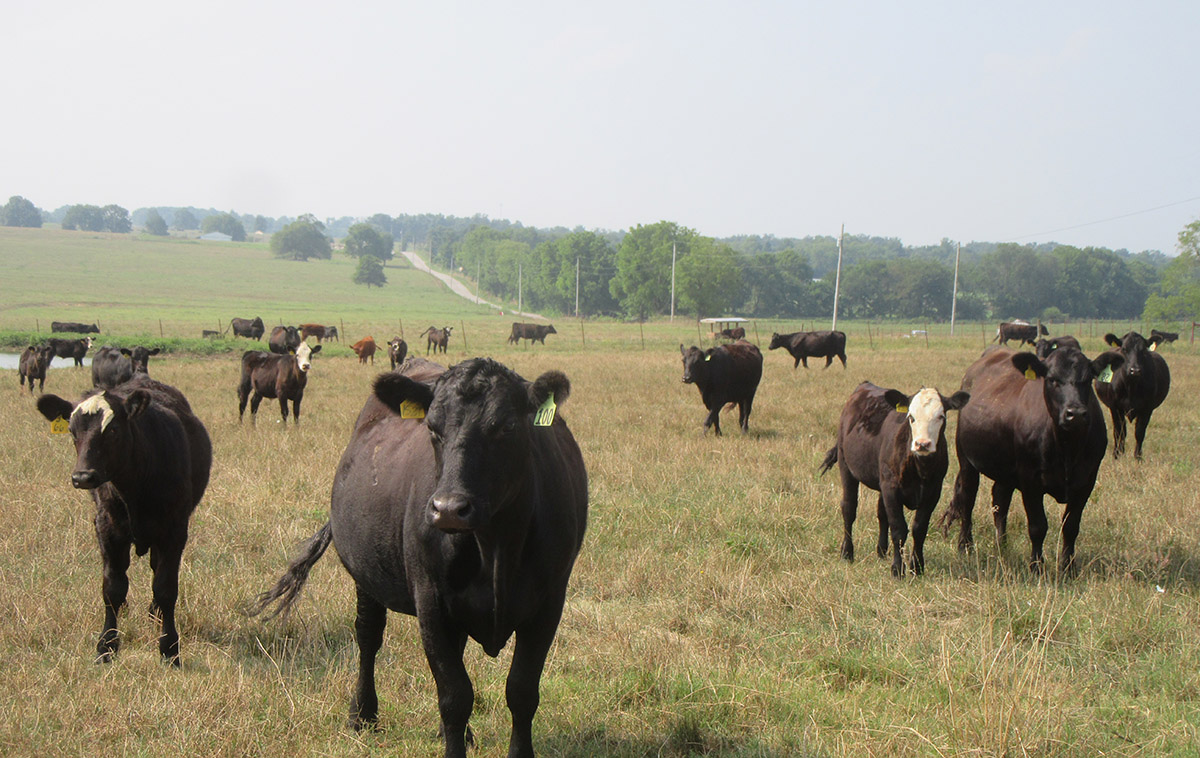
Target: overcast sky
1015,121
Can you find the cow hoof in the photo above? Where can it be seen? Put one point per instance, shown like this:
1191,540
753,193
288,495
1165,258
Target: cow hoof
359,723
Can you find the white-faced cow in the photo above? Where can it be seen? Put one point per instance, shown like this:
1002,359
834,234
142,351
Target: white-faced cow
282,377
283,340
805,345
112,366
1034,425
469,519
438,339
724,374
1135,389
33,364
894,444
1021,331
246,327
73,349
145,459
397,350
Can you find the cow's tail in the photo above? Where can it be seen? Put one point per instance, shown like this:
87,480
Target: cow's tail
830,459
997,336
287,589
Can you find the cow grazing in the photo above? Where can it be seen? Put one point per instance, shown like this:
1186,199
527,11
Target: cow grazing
112,366
365,348
284,339
282,377
1034,425
33,364
73,349
724,374
209,333
397,350
1164,336
530,332
1135,389
331,333
312,330
470,520
894,444
436,338
73,327
805,345
145,459
250,328
1021,331
736,333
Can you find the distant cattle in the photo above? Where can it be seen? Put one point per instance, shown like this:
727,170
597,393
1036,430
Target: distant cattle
469,519
210,333
331,333
894,444
282,377
1021,331
1034,425
724,374
397,350
1135,389
805,345
145,459
1164,336
33,364
245,327
283,339
365,348
736,333
312,330
73,349
530,332
436,338
112,366
74,327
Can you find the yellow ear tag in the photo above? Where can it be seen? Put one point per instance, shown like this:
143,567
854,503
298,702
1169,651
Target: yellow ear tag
707,358
411,409
1106,374
59,426
1029,374
901,409
545,413
1152,346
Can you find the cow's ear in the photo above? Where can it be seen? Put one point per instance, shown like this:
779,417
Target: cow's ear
126,352
155,351
552,384
1155,340
1112,339
1029,365
956,401
315,350
394,390
897,400
1111,359
681,350
53,406
137,402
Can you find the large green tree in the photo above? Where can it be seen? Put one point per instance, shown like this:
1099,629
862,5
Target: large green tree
302,239
365,239
1178,295
155,224
225,223
85,218
20,212
642,284
708,279
185,220
1096,283
1018,280
585,259
116,219
370,272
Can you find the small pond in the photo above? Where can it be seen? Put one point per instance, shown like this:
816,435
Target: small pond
13,361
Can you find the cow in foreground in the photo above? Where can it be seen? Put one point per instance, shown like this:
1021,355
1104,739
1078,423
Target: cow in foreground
73,327
894,444
397,350
1135,389
249,328
469,519
112,366
530,332
145,459
284,340
724,374
72,349
436,338
805,345
1021,331
365,348
1034,425
282,377
33,364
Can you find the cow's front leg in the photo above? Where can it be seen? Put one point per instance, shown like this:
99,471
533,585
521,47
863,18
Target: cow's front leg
444,647
368,632
525,676
114,552
1035,514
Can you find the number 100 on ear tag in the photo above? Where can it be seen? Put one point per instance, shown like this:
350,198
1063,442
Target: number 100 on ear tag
411,409
59,426
545,413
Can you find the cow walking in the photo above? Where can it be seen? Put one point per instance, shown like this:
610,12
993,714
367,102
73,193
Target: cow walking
282,377
531,332
33,364
1135,389
469,518
805,345
724,374
1021,331
438,339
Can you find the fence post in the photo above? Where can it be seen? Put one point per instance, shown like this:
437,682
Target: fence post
463,325
642,332
582,336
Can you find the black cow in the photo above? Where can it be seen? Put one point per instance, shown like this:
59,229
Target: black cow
1135,389
33,364
74,349
470,520
724,374
245,327
145,459
1032,425
284,339
397,350
530,332
74,327
736,333
112,366
1021,331
209,333
436,338
283,377
805,345
894,444
331,333
1164,336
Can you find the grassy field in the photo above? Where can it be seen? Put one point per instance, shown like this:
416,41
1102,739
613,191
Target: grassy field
709,612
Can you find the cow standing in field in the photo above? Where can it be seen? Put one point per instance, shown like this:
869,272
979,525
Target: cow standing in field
1163,336
145,459
436,338
461,500
1034,425
33,364
894,444
736,333
282,377
805,345
1135,389
331,333
284,339
73,349
397,350
724,374
73,327
250,328
1021,331
530,332
111,366
365,348
312,330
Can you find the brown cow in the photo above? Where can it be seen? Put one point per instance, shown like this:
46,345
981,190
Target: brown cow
1021,331
33,365
276,376
364,349
530,332
736,333
312,330
436,339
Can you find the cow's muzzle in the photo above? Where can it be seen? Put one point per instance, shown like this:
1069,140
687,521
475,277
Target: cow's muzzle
1073,417
923,447
87,479
451,513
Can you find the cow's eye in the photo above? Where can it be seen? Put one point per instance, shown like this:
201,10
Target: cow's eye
911,419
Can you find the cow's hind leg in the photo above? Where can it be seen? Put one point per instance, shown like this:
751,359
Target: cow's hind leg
714,420
525,676
849,510
920,528
243,396
368,631
166,593
899,530
254,403
881,548
962,503
1035,514
1118,420
744,408
1072,515
114,552
1139,433
1001,502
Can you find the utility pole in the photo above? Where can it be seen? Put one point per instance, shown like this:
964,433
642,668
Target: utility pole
837,280
672,281
520,307
954,302
478,276
577,286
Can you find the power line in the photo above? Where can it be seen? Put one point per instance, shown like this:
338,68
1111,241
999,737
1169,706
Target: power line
1103,220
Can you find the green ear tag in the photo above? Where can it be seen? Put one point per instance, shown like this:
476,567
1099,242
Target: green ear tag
59,426
1029,374
1106,374
545,413
411,409
901,409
